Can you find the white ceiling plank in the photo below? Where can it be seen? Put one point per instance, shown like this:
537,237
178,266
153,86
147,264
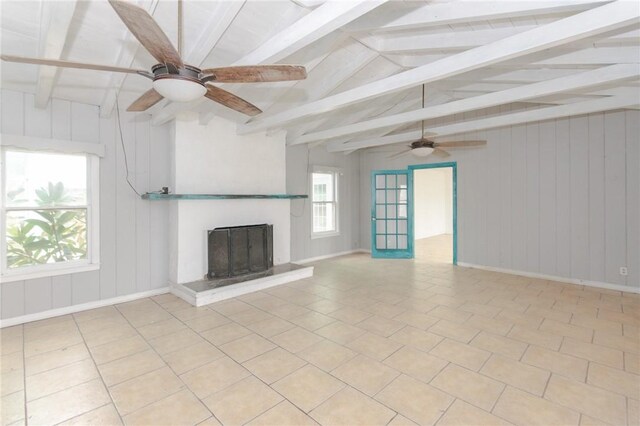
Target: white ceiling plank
613,73
452,40
586,24
57,17
629,100
325,19
466,11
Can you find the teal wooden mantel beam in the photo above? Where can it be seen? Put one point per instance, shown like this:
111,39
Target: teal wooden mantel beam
156,196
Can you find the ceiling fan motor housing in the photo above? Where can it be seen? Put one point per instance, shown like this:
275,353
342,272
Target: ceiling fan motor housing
178,84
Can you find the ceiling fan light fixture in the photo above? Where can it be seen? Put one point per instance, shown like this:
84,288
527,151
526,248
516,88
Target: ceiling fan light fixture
179,89
422,151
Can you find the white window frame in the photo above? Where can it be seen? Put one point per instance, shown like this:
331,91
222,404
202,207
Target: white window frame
336,173
92,262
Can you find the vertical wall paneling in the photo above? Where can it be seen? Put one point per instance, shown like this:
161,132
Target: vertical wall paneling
61,291
563,199
126,213
633,198
505,194
12,299
547,208
108,208
37,295
60,119
596,197
615,189
12,112
519,197
494,228
579,153
141,180
37,121
85,123
85,287
123,232
532,206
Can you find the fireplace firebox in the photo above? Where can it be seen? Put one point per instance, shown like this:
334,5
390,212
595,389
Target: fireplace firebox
240,250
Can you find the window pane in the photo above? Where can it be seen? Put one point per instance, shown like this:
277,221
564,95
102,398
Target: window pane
391,226
391,242
46,236
402,210
402,227
380,229
402,181
380,242
322,186
324,218
380,196
391,195
380,181
402,196
45,179
391,211
380,212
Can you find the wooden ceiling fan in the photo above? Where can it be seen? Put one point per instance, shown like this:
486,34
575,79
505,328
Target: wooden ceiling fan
423,146
172,78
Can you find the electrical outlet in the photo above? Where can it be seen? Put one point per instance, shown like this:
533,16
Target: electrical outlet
623,271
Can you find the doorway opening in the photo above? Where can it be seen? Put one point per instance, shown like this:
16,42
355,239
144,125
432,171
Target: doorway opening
434,212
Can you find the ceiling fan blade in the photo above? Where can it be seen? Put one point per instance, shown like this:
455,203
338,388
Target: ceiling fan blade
255,73
146,101
460,144
440,152
400,154
68,64
230,100
147,31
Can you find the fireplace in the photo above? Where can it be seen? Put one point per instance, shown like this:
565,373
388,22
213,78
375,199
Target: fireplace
240,250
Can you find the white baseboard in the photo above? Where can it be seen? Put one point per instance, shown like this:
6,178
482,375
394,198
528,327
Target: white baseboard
81,307
597,284
329,256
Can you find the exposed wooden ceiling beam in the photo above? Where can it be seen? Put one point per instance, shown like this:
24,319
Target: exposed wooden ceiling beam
57,21
579,81
330,16
596,21
466,11
629,100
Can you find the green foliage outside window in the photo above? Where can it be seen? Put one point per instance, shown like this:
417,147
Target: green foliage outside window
49,235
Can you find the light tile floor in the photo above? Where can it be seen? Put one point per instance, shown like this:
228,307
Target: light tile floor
364,341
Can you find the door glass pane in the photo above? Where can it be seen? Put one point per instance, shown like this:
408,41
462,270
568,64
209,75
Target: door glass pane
391,242
380,242
391,226
391,196
391,211
380,181
402,210
402,242
380,196
402,227
402,181
380,212
391,181
380,227
402,196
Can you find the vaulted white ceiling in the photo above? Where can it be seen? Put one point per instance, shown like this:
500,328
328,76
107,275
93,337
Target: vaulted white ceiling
366,61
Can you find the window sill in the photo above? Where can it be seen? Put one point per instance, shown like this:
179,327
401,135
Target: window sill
324,235
11,277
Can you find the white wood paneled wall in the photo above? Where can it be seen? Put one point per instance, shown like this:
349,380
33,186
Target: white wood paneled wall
133,233
559,197
298,182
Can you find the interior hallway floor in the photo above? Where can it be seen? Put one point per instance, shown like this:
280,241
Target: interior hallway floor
363,342
436,249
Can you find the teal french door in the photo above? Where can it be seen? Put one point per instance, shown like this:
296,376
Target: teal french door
391,214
